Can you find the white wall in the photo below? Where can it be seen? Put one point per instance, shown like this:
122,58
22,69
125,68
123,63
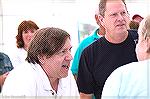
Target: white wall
60,13
44,12
141,7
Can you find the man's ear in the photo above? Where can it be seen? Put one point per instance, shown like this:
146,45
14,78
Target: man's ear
41,59
101,20
148,44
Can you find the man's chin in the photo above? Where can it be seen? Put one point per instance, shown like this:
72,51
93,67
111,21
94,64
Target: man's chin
65,75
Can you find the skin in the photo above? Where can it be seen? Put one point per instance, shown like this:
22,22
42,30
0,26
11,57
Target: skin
27,37
2,78
101,28
143,46
55,69
115,21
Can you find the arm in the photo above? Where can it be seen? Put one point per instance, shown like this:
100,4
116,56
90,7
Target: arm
84,78
2,78
85,96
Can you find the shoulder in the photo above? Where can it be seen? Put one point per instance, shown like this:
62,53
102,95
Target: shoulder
86,40
91,38
98,44
21,79
116,79
22,73
24,69
128,71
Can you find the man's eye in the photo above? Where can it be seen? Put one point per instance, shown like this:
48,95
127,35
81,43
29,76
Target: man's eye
123,13
114,14
63,51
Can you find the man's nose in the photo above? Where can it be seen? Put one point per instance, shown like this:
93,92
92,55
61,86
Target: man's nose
69,56
120,17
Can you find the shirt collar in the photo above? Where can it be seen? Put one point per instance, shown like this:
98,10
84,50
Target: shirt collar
46,84
42,75
95,35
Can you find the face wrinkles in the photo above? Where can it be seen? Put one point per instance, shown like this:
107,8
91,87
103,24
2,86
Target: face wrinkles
66,53
116,21
116,16
57,66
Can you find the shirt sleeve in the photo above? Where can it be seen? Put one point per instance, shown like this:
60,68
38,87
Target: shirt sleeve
85,80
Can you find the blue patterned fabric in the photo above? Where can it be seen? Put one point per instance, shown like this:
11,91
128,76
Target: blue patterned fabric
5,63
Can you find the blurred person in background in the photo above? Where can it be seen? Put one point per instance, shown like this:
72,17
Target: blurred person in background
25,34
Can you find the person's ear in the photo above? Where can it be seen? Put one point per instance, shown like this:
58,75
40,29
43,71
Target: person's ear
148,44
101,20
97,19
41,59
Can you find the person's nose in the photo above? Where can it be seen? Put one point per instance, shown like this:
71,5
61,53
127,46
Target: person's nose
30,33
120,17
69,56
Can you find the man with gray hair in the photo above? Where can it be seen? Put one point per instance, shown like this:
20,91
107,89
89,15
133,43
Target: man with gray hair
113,50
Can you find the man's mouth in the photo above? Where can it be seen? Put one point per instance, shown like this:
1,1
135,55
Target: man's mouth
120,25
65,66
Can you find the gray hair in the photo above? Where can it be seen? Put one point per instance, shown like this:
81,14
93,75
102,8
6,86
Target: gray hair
102,6
144,27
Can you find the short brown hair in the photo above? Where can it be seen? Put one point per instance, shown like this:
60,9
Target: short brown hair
102,6
134,25
24,26
47,41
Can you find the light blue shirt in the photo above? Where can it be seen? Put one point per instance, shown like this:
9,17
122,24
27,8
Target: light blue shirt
86,42
131,81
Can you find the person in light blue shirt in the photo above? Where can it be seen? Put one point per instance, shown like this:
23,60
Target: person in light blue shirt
132,81
86,42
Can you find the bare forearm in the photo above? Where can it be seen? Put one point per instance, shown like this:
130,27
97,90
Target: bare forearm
85,96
